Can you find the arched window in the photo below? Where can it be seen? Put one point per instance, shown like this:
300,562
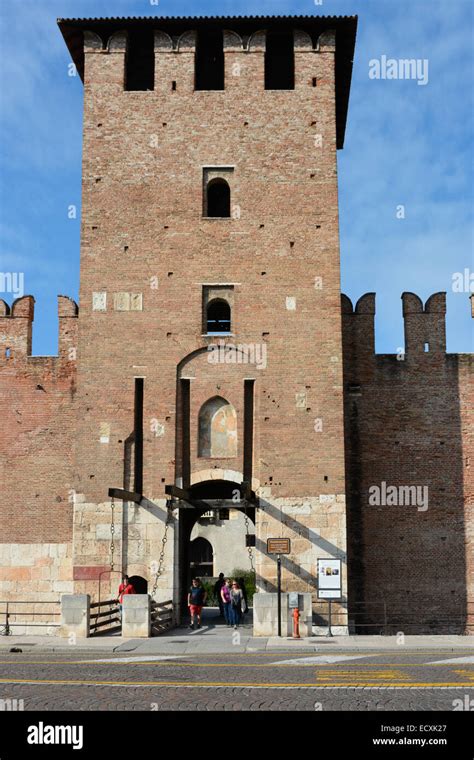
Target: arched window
218,316
217,429
217,198
201,558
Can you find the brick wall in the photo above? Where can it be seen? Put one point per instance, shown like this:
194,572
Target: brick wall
38,427
409,421
143,233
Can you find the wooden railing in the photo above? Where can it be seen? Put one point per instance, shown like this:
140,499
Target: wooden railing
105,618
162,617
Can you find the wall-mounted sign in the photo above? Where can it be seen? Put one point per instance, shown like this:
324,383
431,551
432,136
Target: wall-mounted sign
293,600
329,578
278,546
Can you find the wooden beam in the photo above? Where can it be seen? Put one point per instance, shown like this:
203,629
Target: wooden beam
247,493
179,493
120,493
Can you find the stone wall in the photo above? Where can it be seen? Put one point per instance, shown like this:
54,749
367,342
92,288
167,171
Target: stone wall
36,473
38,574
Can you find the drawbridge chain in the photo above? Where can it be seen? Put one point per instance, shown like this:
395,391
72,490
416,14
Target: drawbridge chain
161,559
249,548
112,534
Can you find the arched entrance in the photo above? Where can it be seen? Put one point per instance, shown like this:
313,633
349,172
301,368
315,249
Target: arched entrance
215,498
201,558
139,584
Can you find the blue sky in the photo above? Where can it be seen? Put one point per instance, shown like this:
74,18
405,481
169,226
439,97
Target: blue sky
406,144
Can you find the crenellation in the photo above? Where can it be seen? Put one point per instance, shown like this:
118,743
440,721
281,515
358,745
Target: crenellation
326,42
178,72
425,328
16,325
302,41
117,42
104,68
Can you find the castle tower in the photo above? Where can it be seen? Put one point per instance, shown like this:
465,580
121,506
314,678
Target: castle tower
209,353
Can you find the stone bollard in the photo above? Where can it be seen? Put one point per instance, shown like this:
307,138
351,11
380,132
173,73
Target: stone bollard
136,617
75,615
265,615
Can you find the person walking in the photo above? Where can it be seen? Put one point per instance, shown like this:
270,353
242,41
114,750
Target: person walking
227,601
217,593
196,600
245,604
125,588
236,598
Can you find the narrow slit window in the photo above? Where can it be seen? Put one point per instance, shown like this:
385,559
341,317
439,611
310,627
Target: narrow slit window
427,348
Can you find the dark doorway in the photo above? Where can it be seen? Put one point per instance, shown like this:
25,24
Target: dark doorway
139,584
218,198
201,560
222,490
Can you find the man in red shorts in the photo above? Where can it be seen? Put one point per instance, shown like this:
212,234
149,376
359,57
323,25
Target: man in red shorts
196,601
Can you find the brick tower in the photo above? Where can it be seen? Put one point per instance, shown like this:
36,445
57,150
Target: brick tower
209,363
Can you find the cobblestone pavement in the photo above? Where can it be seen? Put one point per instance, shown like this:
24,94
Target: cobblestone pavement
271,681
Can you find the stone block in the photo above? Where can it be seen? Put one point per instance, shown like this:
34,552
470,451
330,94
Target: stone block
102,532
75,615
136,621
265,615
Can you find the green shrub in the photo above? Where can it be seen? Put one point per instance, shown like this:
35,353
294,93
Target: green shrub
249,580
208,585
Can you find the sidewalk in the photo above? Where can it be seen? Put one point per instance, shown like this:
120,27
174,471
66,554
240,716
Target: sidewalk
221,640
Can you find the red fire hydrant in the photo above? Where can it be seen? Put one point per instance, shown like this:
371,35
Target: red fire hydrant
296,624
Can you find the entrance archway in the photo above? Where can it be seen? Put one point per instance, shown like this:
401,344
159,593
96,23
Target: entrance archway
139,583
217,497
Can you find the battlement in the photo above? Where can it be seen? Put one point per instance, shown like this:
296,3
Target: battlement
424,326
173,56
16,325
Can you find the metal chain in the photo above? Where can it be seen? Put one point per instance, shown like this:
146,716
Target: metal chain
249,548
161,560
112,533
